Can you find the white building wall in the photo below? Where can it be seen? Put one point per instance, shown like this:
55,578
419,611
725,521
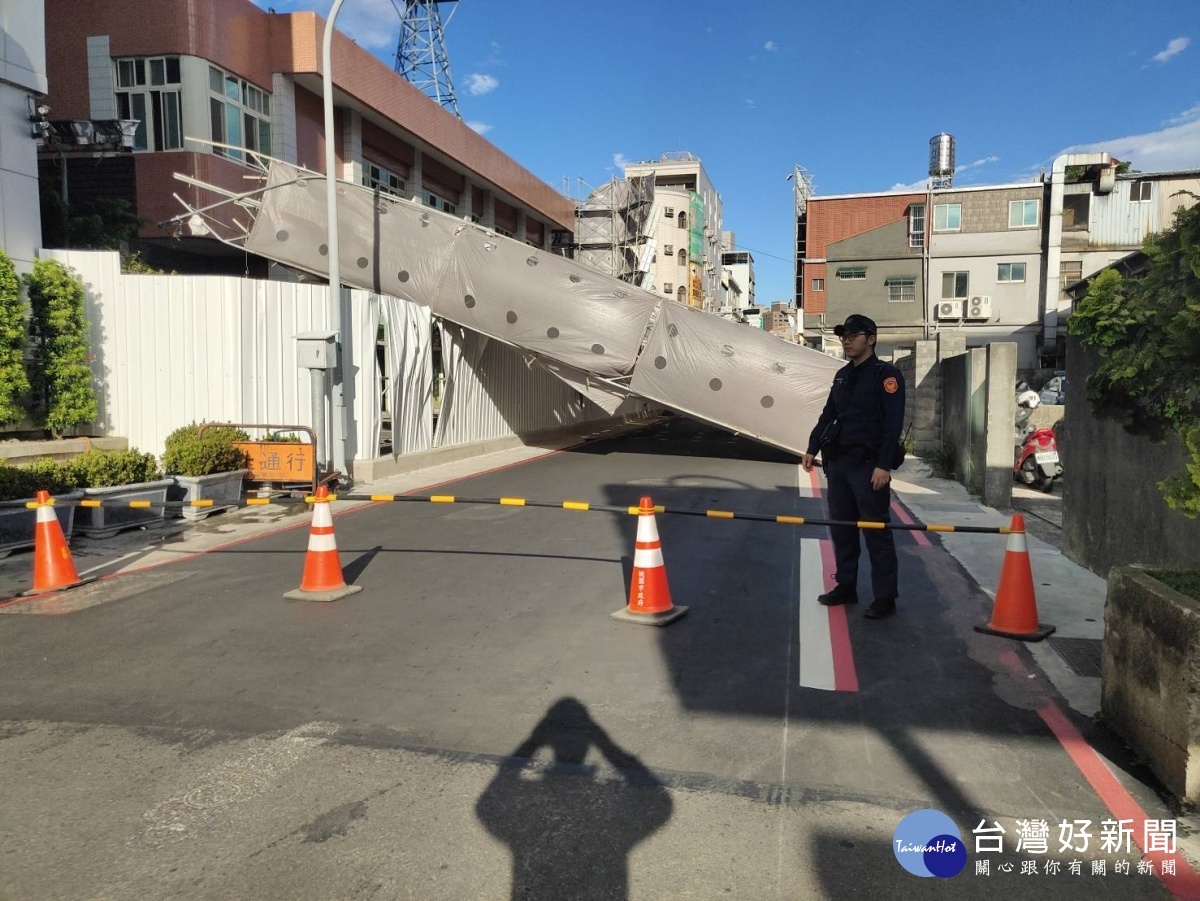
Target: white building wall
22,76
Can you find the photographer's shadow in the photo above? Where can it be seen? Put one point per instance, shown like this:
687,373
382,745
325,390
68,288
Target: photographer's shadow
569,826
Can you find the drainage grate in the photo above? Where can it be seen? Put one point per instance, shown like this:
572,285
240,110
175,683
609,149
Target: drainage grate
1082,655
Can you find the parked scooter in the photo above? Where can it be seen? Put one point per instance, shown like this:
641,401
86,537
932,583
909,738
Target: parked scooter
1037,461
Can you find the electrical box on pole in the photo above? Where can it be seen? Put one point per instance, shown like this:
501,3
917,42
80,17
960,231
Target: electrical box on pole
317,352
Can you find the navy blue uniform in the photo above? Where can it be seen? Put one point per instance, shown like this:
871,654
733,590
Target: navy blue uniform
867,403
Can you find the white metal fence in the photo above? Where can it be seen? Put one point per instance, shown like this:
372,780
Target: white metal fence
168,350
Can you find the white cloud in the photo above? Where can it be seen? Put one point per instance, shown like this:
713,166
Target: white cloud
770,46
479,84
620,161
901,188
479,127
1186,116
494,57
750,103
1174,47
1175,147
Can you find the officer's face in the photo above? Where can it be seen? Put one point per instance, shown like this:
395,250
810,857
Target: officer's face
856,345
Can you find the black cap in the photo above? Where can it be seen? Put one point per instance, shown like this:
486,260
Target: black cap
856,323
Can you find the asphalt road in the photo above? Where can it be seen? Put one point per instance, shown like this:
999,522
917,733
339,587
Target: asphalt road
474,725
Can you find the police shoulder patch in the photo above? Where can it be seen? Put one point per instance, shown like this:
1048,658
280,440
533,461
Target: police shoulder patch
890,385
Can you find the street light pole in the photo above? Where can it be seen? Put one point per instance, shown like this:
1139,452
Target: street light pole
335,275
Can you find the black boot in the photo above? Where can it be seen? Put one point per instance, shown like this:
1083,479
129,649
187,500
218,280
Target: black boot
841,594
881,609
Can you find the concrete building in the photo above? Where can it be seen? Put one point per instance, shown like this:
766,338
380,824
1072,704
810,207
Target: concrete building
992,262
740,265
225,71
22,85
687,263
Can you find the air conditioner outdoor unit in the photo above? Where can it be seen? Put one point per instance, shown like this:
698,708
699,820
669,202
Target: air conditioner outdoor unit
950,309
979,308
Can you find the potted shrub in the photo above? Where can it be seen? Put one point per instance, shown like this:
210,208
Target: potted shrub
120,476
18,524
205,465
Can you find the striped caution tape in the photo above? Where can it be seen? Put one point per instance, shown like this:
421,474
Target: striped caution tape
583,506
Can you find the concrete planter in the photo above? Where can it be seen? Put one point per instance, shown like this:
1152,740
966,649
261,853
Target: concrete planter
18,525
18,453
104,522
1150,689
224,489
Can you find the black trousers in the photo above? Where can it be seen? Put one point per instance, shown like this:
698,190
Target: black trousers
851,497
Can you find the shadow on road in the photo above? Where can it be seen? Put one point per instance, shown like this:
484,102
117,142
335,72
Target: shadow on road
570,828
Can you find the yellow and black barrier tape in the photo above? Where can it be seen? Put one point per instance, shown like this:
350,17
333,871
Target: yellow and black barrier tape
585,506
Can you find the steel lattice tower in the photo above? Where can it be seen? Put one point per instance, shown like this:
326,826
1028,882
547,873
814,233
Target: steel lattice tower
421,53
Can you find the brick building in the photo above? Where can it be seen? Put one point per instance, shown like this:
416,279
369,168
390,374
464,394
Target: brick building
228,72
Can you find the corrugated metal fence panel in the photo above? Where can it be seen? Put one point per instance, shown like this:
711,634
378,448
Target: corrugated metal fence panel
168,350
502,395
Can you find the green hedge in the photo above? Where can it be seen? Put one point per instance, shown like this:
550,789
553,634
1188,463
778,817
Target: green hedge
62,376
14,384
189,453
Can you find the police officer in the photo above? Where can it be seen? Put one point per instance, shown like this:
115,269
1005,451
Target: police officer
858,436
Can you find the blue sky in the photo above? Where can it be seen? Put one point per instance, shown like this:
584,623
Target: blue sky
851,90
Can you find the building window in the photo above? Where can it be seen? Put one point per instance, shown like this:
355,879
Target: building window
901,290
818,284
239,113
441,203
852,273
668,288
947,217
1075,211
955,285
682,257
1069,272
1022,214
683,220
670,212
383,181
501,231
1010,272
916,225
149,90
681,294
1139,191
669,250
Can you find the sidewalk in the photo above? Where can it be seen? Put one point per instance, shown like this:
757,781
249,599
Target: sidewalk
1069,596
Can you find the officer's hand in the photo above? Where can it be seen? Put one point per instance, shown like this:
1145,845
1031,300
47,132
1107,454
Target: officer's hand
879,478
807,462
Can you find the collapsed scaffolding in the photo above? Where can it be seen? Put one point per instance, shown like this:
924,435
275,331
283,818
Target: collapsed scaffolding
596,332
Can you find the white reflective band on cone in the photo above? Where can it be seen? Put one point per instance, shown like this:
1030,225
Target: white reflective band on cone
647,529
321,515
321,543
648,558
46,514
1016,542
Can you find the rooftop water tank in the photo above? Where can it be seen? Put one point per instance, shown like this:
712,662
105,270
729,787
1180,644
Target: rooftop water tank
941,156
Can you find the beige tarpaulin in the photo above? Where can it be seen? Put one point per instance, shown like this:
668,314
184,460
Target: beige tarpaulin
587,327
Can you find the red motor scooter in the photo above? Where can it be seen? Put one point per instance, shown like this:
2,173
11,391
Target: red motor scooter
1037,460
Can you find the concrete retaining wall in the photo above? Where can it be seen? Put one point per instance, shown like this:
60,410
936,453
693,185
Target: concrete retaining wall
1150,690
1113,512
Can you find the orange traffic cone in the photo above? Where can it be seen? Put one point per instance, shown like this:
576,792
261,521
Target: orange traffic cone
322,580
1014,614
53,568
649,596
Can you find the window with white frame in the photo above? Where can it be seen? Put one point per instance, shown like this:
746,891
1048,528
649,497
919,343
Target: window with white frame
1010,272
1140,191
916,225
852,273
947,217
818,284
239,114
149,90
1069,272
955,285
669,250
383,180
670,212
668,288
682,257
505,232
1022,213
901,290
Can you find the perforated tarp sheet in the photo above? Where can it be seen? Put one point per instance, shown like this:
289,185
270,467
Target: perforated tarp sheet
596,326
